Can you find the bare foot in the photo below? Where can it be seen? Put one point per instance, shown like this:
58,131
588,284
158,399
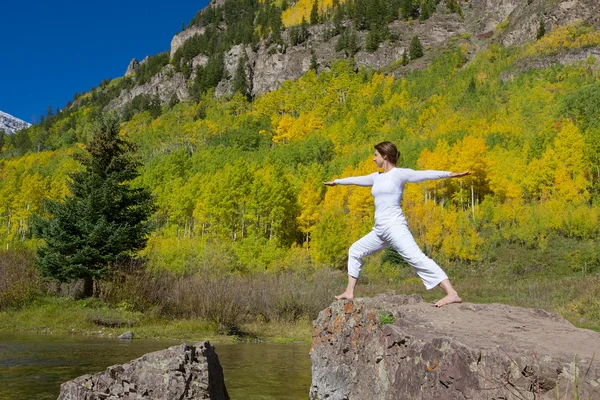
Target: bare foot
449,299
345,296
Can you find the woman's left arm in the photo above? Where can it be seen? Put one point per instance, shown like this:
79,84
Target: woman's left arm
413,176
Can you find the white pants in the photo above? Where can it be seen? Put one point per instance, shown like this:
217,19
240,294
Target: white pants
401,240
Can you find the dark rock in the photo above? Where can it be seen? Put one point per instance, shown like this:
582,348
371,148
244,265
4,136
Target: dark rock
133,65
180,372
466,351
126,336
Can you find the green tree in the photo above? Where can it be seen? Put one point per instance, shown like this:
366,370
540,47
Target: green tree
416,48
313,60
541,30
2,136
410,8
427,9
405,57
103,220
240,81
314,13
372,40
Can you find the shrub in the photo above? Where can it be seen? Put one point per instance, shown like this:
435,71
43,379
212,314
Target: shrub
19,280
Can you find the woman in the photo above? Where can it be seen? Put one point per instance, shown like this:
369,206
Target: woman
390,227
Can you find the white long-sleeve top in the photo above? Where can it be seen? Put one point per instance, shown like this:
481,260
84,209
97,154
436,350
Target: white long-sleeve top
387,191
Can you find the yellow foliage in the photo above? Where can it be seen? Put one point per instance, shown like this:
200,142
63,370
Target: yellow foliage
288,128
573,36
505,172
302,8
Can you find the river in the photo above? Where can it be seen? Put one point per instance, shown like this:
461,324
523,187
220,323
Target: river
34,366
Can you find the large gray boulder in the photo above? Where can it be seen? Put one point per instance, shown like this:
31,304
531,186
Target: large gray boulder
399,347
179,372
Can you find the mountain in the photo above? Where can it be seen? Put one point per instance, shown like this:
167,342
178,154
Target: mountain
10,124
259,45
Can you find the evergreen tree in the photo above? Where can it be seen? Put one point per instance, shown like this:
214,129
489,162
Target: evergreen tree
352,43
2,139
416,48
472,86
313,60
405,57
427,9
361,20
314,13
541,30
304,30
410,8
338,17
240,81
372,41
103,220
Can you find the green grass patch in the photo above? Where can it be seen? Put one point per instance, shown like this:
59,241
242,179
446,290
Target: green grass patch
386,318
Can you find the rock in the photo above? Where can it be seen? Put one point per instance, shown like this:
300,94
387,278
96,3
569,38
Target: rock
461,351
133,64
126,336
179,39
179,372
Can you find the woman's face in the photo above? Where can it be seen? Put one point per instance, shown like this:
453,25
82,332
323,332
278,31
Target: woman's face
378,159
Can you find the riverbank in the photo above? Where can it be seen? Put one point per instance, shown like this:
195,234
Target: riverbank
275,307
53,315
575,298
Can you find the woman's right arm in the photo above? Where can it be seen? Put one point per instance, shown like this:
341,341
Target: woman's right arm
366,180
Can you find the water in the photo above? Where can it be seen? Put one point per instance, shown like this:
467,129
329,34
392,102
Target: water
34,366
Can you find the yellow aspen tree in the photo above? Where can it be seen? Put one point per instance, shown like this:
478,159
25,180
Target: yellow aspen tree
310,202
572,175
505,172
469,155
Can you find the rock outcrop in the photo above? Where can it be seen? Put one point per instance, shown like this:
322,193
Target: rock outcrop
10,124
399,347
179,372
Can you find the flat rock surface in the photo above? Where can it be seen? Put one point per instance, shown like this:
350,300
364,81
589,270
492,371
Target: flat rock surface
399,347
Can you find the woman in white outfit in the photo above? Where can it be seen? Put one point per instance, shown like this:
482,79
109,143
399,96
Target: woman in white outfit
390,227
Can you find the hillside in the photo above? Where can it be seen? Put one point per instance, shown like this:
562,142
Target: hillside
238,178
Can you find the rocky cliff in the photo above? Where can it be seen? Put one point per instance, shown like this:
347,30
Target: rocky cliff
399,347
10,124
507,22
179,372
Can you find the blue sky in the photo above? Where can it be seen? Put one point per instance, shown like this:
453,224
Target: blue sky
51,50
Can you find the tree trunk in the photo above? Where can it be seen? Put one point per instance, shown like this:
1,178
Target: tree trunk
88,287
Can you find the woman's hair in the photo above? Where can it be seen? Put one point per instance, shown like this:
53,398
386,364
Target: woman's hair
388,151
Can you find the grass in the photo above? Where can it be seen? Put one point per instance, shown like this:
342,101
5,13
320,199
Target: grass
66,316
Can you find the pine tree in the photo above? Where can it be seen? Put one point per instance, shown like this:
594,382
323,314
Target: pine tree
541,30
416,48
313,60
103,220
410,9
372,40
314,13
472,86
405,57
427,9
352,42
240,82
338,17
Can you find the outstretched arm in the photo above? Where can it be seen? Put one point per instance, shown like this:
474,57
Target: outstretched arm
413,176
366,180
